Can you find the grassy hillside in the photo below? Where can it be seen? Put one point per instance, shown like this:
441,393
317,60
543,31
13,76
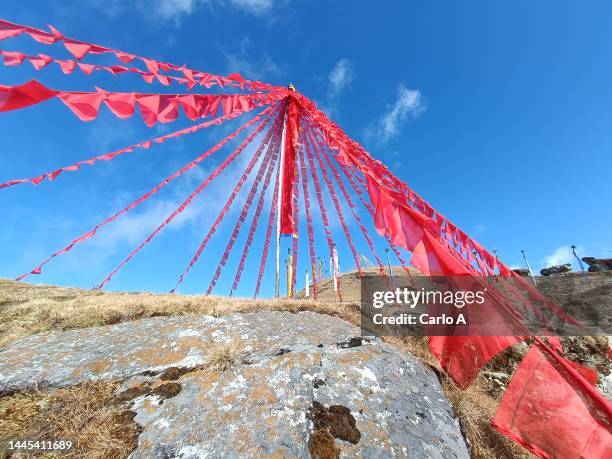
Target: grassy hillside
26,309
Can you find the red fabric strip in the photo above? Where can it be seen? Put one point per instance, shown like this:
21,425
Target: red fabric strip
154,108
243,214
144,197
550,409
228,203
351,207
291,138
271,220
353,177
336,202
350,152
260,202
295,232
188,200
313,258
109,156
80,49
319,194
24,95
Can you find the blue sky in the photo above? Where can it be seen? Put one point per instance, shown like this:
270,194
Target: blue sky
497,113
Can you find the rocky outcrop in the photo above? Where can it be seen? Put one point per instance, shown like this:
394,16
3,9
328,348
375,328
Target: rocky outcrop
556,269
522,272
299,385
587,298
598,264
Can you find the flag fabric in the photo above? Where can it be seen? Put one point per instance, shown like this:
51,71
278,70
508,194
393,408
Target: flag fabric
553,411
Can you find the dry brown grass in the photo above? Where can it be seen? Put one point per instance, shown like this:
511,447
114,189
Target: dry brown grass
27,309
88,414
476,408
223,356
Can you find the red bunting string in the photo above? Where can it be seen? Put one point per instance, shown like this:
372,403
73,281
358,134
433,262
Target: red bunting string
260,202
154,108
295,221
350,152
319,194
421,233
243,214
67,66
353,177
368,206
144,197
189,198
81,49
334,196
229,201
109,156
313,258
271,220
351,205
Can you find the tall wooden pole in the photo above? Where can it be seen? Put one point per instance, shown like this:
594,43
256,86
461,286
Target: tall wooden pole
279,207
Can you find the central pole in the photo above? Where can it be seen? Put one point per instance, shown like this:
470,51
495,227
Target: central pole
279,206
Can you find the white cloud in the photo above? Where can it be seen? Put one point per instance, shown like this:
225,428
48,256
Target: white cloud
250,66
340,77
134,226
409,104
174,10
562,255
109,133
161,11
254,7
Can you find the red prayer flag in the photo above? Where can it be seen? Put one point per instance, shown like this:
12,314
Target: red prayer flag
85,106
553,411
8,30
13,58
291,139
30,93
78,50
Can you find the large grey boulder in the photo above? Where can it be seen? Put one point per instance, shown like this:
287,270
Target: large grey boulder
305,385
